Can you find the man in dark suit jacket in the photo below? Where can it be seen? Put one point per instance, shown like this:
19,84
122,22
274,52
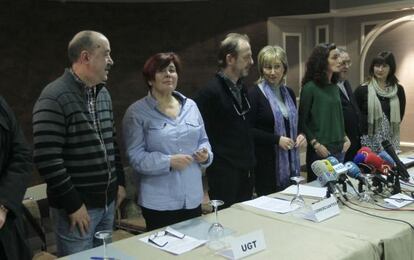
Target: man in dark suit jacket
16,169
350,109
224,106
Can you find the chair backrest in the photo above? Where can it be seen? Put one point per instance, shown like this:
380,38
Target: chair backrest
130,184
32,212
37,192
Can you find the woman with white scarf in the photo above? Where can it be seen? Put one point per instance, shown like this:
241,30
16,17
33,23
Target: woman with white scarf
382,103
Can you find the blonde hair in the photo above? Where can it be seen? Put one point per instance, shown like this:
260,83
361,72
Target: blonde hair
268,55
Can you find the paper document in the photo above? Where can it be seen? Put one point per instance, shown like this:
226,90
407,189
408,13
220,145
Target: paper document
271,204
306,190
172,241
399,200
407,160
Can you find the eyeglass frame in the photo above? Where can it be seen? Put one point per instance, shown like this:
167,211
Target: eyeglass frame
347,63
152,237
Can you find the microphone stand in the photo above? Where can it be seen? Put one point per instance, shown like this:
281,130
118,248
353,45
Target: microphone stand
377,182
344,187
329,191
360,186
342,180
397,185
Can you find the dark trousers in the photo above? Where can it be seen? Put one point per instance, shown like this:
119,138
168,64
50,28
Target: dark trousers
311,156
353,149
161,218
229,184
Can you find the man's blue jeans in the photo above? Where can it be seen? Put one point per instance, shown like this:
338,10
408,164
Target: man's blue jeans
70,242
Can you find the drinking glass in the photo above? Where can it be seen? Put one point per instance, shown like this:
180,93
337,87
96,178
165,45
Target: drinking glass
367,195
297,199
104,235
216,230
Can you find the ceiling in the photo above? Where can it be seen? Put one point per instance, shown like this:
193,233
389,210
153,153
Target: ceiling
342,8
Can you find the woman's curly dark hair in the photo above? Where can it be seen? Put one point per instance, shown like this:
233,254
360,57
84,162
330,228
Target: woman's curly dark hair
317,65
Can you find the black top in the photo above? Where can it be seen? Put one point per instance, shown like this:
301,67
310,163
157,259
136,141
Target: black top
361,97
265,140
226,123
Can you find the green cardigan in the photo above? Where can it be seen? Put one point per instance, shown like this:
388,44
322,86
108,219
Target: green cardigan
320,114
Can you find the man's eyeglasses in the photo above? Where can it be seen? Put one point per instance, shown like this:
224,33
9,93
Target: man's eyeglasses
243,112
346,63
154,237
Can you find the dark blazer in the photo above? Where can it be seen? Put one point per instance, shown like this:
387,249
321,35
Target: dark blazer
16,168
228,132
352,118
262,124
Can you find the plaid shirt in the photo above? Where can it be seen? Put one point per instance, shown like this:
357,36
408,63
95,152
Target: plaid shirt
235,88
91,100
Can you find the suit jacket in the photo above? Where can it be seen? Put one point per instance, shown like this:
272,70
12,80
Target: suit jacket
227,129
16,168
352,119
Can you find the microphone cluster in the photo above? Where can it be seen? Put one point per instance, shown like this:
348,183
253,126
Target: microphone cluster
385,168
331,173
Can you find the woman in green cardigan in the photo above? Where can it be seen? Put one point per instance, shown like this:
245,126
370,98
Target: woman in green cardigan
320,109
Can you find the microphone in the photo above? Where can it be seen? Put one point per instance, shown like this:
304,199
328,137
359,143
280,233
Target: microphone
366,169
354,172
386,157
325,177
402,170
332,160
338,167
364,150
328,166
386,169
379,164
359,158
341,171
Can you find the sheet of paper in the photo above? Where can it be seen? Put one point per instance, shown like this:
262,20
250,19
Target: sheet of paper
173,243
271,204
407,160
306,190
399,200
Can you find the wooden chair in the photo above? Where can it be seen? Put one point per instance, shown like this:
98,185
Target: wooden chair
129,216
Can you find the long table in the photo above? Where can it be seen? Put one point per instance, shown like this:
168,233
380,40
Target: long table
388,239
350,235
285,238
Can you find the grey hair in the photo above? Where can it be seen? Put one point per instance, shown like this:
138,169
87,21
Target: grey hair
84,40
